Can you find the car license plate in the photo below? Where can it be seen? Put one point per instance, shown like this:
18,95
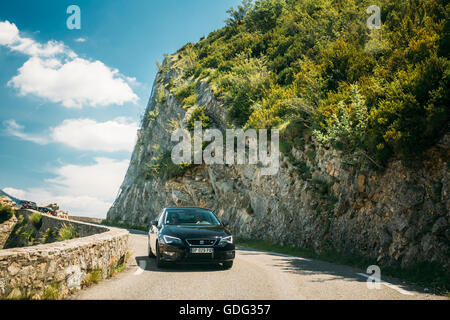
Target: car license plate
202,250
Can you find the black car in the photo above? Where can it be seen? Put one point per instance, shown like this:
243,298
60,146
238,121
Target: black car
190,235
47,210
29,205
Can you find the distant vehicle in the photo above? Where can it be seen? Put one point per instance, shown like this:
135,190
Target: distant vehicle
47,210
29,205
190,235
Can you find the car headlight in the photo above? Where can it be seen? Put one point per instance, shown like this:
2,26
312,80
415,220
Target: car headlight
172,240
225,240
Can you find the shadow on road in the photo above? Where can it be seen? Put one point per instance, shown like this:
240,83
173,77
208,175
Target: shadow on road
309,267
149,264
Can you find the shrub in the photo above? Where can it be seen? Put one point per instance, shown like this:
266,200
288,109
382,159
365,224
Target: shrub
304,171
27,236
67,232
6,213
199,115
186,90
164,67
346,128
243,85
276,61
161,95
163,164
36,220
191,100
152,115
48,236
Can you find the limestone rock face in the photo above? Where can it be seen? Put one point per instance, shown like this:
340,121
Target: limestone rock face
398,215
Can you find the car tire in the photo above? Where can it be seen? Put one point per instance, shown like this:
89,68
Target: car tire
159,263
228,265
150,252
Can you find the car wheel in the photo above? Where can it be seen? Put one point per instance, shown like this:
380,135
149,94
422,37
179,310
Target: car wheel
228,264
150,252
159,263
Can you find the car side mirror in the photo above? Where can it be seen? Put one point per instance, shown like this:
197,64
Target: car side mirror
155,223
225,223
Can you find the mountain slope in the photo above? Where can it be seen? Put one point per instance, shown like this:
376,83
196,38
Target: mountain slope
2,193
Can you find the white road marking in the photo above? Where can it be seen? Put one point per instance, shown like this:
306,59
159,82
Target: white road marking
138,271
288,256
141,268
274,254
390,285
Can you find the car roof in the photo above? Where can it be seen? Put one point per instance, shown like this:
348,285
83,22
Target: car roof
187,208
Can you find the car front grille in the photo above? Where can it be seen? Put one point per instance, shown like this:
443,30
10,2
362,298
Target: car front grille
201,242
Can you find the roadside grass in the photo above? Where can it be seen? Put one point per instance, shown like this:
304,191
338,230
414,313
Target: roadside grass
118,268
94,277
427,274
124,225
51,292
121,265
16,294
67,232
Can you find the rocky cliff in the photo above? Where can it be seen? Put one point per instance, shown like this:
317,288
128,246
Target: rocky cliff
399,214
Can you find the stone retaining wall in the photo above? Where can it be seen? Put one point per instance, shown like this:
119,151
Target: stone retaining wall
39,271
6,229
83,229
88,220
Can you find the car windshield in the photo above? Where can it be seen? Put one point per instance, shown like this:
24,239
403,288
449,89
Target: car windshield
191,217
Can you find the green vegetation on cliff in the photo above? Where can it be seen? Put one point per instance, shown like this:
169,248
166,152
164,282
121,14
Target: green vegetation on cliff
314,65
28,231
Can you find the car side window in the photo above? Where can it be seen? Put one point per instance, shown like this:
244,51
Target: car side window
161,218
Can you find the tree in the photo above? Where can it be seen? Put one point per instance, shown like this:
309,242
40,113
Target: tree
237,16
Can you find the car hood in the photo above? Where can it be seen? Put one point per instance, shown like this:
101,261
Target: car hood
184,232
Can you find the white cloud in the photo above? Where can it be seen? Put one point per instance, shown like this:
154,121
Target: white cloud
80,40
83,134
12,128
74,84
10,37
101,179
8,33
56,73
17,193
86,190
88,134
32,48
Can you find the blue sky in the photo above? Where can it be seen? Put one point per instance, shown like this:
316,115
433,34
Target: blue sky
71,100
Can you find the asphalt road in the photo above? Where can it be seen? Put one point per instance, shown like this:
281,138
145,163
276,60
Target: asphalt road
255,275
